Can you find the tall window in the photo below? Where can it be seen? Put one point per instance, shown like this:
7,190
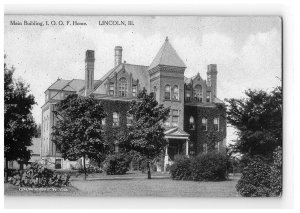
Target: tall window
175,93
204,124
116,145
111,88
188,96
123,87
129,120
103,121
208,98
115,119
192,123
198,95
134,88
216,124
154,91
167,92
175,117
205,148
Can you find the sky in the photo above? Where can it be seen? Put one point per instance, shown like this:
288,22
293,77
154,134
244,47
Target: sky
247,50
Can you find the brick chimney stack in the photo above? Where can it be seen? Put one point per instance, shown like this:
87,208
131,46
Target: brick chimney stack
212,79
89,71
118,55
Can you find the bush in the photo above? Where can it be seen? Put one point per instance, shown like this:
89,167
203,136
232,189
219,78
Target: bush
180,169
204,167
261,178
37,175
209,167
117,164
91,170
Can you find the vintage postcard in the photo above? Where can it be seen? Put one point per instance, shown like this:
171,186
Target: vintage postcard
143,106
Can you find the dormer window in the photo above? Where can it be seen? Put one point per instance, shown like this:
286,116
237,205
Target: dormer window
208,96
123,87
198,94
188,96
111,88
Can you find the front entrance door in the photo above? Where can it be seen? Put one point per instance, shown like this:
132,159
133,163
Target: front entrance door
175,148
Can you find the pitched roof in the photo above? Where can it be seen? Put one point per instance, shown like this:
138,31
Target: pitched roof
168,56
73,85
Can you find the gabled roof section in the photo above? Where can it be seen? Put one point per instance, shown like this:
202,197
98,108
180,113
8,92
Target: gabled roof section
176,133
168,56
137,71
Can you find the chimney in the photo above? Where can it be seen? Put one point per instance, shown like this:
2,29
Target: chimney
118,55
212,79
89,71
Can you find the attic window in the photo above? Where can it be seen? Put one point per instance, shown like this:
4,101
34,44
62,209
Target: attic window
111,88
122,87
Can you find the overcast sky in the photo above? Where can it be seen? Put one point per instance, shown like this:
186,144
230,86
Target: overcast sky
247,50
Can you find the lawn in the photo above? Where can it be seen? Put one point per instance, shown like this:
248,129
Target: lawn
136,185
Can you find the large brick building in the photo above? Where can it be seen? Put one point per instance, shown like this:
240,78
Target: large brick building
195,112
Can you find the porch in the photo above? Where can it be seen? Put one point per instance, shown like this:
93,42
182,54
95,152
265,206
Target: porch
178,145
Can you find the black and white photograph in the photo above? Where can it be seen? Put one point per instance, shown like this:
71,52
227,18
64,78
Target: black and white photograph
143,106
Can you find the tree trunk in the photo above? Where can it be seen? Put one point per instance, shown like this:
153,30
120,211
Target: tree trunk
6,170
149,170
84,169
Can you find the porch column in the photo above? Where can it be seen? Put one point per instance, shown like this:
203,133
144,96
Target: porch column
187,147
166,161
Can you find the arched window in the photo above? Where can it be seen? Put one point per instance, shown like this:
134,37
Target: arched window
129,120
115,119
175,93
122,87
198,94
204,124
192,123
134,90
216,124
116,146
167,92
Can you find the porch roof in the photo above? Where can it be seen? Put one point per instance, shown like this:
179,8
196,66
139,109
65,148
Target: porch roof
176,133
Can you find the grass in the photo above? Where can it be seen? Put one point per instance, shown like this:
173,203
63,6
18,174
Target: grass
136,185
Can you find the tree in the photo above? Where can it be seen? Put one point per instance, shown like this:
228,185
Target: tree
146,135
258,119
78,132
19,125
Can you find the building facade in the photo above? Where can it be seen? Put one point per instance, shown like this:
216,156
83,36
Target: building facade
195,111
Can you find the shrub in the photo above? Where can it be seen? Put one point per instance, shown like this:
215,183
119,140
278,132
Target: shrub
261,178
117,164
91,170
209,167
180,169
37,175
